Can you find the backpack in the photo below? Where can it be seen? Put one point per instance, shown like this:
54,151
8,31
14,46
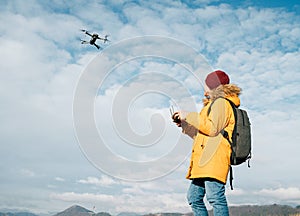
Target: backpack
241,137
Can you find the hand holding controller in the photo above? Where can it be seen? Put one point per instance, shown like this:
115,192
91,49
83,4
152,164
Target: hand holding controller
175,116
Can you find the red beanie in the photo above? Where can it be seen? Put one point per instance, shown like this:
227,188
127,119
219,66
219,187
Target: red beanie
216,78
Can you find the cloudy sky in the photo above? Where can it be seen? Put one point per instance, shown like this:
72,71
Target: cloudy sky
91,127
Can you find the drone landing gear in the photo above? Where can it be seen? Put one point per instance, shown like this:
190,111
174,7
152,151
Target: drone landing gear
98,47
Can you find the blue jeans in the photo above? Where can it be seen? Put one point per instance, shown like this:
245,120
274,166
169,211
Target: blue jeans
215,194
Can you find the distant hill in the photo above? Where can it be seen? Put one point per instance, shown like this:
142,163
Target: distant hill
128,214
270,210
169,214
79,211
18,214
75,210
249,210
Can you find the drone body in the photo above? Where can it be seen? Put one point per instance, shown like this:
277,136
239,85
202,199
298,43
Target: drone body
94,38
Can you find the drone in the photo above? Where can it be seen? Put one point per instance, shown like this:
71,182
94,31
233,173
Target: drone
93,39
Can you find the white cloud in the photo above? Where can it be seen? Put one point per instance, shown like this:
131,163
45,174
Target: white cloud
102,181
154,203
81,197
59,179
127,203
284,194
235,192
27,173
143,188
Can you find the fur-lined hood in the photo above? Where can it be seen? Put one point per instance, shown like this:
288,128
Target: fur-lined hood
230,91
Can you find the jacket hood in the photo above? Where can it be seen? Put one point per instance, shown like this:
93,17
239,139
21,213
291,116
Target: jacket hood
229,91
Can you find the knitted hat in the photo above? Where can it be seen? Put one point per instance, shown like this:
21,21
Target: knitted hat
216,78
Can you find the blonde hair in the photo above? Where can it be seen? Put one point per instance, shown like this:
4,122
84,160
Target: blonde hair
222,91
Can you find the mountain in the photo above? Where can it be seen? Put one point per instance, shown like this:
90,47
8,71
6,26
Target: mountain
17,214
169,214
247,210
102,214
75,210
272,210
129,214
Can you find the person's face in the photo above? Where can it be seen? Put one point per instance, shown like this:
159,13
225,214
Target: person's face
206,91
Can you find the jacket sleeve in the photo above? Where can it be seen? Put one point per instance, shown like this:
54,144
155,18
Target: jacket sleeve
211,124
190,124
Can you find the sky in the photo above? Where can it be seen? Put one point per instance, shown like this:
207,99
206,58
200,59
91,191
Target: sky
92,127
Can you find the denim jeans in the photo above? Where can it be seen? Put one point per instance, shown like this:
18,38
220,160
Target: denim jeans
215,194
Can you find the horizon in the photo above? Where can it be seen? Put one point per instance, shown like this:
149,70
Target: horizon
93,210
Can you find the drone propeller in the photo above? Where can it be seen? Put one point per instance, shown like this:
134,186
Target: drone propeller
84,41
105,39
85,31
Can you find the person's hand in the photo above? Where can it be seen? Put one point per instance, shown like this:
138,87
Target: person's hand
178,116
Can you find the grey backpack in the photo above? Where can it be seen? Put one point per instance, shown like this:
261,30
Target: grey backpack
241,137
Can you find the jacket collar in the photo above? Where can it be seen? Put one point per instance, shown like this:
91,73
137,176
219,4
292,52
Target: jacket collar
234,99
229,91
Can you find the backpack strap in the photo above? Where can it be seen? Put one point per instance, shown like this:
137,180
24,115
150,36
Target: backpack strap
224,132
231,103
226,136
233,143
231,177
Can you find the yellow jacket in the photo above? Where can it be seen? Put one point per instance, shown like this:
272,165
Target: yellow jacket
211,152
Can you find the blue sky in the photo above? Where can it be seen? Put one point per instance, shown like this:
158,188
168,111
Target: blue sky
290,5
43,165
